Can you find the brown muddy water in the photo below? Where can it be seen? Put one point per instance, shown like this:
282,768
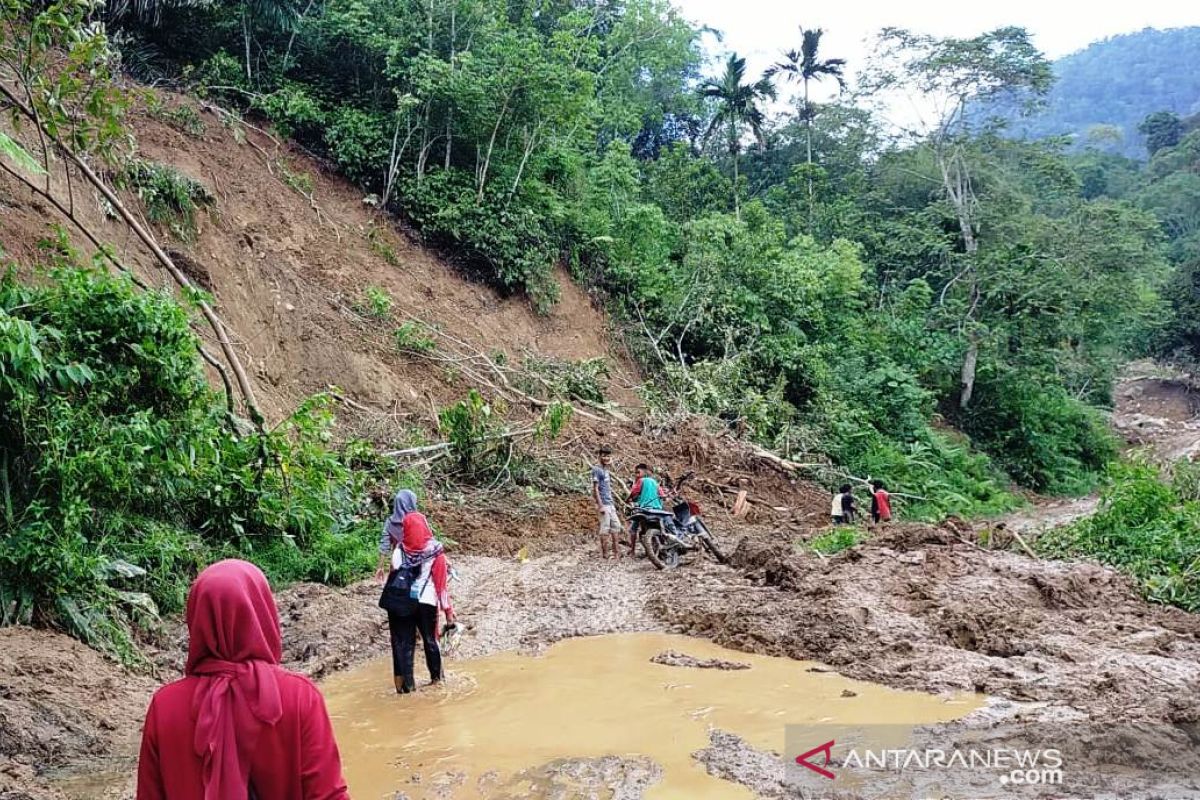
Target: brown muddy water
497,723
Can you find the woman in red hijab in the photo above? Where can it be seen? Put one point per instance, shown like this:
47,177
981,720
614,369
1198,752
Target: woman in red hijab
238,725
424,559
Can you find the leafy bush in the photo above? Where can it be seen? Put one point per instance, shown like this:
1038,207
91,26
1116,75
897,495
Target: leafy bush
293,110
836,540
568,380
1044,438
1147,526
411,338
375,303
169,197
120,477
471,427
508,245
485,452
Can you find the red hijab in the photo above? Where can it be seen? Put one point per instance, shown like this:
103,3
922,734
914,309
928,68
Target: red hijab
417,533
418,540
234,648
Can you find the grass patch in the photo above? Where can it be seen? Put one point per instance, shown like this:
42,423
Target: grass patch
381,247
182,118
302,182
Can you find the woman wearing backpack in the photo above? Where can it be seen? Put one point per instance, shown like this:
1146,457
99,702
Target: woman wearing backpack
414,590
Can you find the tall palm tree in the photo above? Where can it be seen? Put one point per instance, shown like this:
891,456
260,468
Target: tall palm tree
739,106
805,66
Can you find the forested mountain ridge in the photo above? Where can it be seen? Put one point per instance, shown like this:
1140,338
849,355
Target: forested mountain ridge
1117,82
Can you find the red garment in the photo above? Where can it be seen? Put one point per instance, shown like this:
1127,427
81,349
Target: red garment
884,503
417,537
237,718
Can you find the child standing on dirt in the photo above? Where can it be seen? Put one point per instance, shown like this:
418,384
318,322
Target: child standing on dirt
881,503
610,523
842,510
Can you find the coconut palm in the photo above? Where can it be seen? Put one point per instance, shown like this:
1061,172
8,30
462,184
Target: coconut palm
739,106
804,65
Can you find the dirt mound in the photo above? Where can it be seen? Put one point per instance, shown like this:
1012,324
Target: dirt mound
724,465
1162,398
1158,410
62,702
918,608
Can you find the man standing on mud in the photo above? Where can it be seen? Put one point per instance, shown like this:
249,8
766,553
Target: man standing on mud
610,523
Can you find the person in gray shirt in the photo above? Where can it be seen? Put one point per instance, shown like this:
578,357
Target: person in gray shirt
610,523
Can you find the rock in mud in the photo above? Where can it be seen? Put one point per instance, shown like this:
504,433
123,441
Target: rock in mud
730,758
571,778
674,658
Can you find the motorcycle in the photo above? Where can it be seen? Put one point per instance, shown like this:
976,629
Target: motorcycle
667,535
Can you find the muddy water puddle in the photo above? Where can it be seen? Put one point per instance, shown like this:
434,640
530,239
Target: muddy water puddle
510,725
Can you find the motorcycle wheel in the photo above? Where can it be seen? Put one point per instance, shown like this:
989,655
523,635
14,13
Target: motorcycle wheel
710,544
661,553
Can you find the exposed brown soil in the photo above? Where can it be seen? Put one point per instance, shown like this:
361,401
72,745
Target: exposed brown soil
1160,414
288,274
916,607
61,703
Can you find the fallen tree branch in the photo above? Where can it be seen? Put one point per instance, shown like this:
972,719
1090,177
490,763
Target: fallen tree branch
471,360
434,448
151,243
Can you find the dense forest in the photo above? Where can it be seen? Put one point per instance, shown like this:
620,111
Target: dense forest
1102,93
947,310
835,291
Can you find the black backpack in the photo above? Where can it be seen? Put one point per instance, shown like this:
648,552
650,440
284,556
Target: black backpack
402,590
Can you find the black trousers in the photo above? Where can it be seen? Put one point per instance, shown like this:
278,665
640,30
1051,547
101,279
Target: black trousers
404,629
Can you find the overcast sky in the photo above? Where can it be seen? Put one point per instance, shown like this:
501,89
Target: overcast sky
759,29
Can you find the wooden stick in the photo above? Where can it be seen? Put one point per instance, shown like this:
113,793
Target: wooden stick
1024,545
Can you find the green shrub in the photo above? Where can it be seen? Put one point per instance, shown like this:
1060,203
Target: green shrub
412,338
836,540
292,109
1044,438
375,303
169,197
507,245
568,380
120,478
1146,526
